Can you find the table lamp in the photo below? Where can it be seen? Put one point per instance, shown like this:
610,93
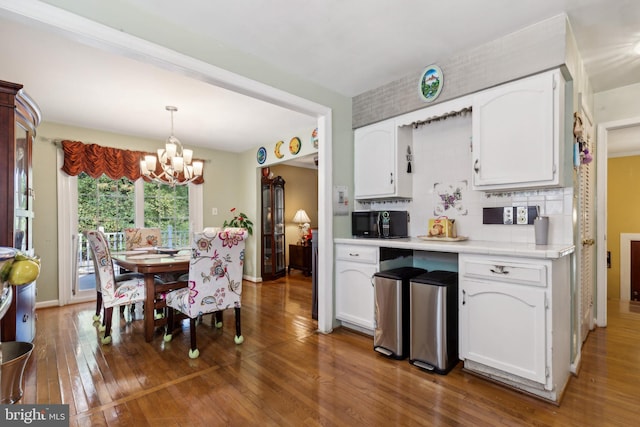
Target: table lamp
300,218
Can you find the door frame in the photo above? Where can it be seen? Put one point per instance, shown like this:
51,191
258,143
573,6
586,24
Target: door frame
54,19
601,217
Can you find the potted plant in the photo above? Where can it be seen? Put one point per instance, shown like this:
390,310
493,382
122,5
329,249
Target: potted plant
240,220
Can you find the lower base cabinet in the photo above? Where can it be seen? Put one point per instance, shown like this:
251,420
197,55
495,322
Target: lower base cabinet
515,321
355,267
19,322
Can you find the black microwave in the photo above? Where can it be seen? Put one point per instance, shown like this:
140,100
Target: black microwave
380,224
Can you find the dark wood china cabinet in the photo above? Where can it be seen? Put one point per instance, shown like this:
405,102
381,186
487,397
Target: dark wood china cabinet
273,242
19,117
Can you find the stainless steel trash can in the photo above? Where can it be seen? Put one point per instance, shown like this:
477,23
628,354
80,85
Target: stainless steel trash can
434,321
391,315
14,356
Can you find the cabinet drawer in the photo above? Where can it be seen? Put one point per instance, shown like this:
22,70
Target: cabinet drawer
364,254
526,274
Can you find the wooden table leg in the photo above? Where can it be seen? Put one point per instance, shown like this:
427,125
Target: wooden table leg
149,319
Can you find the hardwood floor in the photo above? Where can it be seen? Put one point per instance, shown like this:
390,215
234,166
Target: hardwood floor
287,374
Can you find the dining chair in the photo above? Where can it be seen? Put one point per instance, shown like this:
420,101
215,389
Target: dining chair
113,293
135,238
119,278
214,283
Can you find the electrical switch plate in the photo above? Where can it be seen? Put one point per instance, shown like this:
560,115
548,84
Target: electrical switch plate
522,215
507,216
214,211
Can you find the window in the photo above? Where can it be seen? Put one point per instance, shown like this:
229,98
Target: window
167,208
110,205
106,204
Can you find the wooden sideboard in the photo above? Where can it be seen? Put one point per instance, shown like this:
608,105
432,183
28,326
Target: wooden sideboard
300,258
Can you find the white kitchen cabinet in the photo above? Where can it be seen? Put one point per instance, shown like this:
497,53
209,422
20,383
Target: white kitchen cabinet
517,129
514,321
380,161
355,266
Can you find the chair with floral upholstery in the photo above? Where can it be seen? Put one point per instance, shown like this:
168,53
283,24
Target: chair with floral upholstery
135,238
215,282
113,293
119,278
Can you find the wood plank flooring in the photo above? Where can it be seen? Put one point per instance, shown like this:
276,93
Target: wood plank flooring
287,374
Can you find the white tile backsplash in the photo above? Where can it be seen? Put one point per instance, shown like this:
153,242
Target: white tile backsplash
442,156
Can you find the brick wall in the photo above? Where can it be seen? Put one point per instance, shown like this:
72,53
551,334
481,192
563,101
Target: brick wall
530,50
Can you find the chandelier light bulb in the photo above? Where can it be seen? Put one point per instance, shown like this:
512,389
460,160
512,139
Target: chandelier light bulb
636,48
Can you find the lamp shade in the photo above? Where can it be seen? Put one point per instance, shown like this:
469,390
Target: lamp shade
301,217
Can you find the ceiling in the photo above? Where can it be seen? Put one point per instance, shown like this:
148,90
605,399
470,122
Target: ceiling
348,47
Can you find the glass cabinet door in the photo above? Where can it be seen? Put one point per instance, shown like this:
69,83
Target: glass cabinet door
22,194
273,238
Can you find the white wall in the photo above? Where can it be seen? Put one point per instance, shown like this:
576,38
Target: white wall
617,104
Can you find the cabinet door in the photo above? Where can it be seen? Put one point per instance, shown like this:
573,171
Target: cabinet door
23,192
279,240
374,160
25,312
515,144
354,293
503,326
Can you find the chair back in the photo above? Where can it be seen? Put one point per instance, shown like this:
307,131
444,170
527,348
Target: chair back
215,271
141,237
112,292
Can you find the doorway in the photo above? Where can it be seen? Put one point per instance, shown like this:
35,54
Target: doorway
635,271
604,130
130,46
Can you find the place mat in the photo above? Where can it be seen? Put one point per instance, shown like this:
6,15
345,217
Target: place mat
147,256
443,239
182,258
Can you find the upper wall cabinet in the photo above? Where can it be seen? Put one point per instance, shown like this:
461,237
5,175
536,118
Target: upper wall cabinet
381,161
516,134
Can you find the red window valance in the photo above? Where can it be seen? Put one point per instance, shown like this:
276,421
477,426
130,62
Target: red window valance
96,160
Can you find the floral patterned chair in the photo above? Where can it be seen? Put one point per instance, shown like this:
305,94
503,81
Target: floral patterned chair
119,278
215,281
141,238
113,293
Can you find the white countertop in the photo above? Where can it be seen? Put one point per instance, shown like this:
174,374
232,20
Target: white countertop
483,247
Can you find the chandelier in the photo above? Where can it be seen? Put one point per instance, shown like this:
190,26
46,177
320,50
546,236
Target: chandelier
175,161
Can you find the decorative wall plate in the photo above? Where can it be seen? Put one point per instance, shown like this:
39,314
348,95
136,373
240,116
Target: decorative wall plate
431,82
294,145
276,150
261,155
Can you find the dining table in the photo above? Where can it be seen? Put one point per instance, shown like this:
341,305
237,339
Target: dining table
153,264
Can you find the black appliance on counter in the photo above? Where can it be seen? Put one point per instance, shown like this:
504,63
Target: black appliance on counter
380,224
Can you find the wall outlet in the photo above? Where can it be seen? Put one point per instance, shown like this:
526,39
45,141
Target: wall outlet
522,215
507,216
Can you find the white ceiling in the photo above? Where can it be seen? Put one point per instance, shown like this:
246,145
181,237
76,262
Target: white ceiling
346,46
